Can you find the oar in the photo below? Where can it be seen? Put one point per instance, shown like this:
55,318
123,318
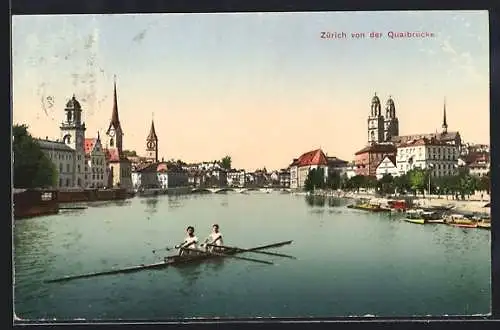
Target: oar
175,247
253,251
228,256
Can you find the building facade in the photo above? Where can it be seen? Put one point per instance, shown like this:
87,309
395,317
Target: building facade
63,158
236,178
300,167
367,159
96,168
434,155
387,167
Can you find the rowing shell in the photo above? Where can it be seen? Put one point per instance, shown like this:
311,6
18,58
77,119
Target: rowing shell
169,261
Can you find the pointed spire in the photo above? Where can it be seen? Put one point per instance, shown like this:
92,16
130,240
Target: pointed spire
152,132
115,119
98,136
445,124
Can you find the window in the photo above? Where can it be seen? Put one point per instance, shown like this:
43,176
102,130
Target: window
67,168
78,168
60,182
60,167
93,176
67,183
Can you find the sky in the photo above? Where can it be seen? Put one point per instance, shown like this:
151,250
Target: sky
261,87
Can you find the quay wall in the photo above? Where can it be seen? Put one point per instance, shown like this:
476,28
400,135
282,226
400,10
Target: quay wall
91,195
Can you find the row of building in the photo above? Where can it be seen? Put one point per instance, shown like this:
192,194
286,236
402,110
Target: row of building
441,153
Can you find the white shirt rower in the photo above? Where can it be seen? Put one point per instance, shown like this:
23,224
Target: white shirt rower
190,242
215,238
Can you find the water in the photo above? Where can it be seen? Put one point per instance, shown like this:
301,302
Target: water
349,262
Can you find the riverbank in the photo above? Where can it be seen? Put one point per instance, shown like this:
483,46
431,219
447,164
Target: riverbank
471,205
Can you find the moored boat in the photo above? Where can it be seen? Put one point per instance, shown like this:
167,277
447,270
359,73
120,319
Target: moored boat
484,224
415,216
460,220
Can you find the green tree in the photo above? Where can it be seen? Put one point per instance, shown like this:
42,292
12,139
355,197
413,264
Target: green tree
32,168
357,182
315,179
129,153
334,180
484,183
401,184
386,184
417,179
226,162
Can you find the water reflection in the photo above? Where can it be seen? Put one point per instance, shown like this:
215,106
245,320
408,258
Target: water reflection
175,201
151,205
321,201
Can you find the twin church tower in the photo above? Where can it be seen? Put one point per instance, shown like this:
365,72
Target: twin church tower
382,128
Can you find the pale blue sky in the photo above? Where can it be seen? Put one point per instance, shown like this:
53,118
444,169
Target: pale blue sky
253,82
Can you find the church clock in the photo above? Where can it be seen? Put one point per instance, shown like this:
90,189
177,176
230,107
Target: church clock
151,145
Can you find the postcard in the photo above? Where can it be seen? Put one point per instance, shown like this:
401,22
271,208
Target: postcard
240,165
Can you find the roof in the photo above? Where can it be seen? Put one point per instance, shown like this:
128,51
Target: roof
89,145
448,136
73,103
391,158
336,161
377,148
152,133
54,145
112,155
314,157
422,142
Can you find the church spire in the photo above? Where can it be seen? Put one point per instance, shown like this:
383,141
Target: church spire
152,132
445,124
115,119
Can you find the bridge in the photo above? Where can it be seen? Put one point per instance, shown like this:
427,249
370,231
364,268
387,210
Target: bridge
238,190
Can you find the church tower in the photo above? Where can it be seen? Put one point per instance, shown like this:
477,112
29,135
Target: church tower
391,122
73,135
152,144
120,167
375,122
115,132
445,124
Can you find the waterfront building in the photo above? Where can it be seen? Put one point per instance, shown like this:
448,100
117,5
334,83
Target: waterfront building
171,175
152,145
478,163
236,178
73,135
335,165
145,176
120,166
367,159
387,167
96,169
452,138
63,158
439,157
300,167
349,170
284,178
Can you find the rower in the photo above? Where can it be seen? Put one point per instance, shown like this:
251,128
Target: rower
214,238
190,242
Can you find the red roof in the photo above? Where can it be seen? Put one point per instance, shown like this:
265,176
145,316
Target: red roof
315,157
112,155
89,145
377,149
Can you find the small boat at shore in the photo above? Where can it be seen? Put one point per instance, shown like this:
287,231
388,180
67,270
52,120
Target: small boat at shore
422,216
484,224
460,220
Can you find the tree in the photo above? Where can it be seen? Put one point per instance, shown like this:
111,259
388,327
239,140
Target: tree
226,162
417,179
129,153
484,183
334,180
315,179
32,168
401,183
357,181
386,184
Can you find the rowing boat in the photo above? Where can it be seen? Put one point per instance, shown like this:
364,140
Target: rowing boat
171,261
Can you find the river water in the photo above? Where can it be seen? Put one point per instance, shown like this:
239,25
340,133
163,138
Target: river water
349,262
